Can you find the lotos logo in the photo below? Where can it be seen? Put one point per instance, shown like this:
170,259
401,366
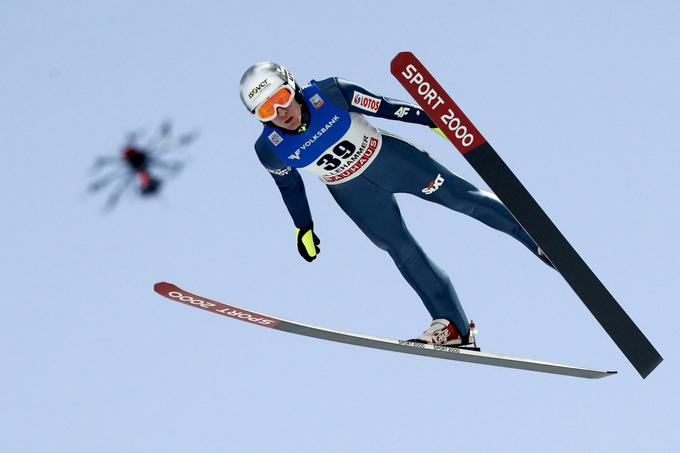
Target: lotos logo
257,89
366,102
434,185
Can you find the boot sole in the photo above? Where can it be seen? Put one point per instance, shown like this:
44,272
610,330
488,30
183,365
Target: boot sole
467,346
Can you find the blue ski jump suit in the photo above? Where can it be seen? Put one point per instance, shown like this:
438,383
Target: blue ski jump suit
363,169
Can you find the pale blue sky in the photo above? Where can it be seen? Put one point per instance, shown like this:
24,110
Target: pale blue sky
580,99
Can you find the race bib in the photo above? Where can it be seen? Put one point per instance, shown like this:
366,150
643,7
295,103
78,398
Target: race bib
350,155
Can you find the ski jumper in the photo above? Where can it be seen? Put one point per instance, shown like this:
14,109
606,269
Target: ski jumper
364,167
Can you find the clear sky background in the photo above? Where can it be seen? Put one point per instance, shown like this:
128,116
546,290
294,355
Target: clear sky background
580,99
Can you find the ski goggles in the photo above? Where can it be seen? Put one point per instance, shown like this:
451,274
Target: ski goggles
281,98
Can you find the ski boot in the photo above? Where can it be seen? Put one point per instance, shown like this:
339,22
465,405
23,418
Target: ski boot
442,332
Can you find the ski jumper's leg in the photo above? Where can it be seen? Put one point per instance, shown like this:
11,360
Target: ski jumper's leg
376,213
408,169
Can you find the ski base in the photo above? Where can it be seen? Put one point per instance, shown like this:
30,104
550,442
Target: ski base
459,354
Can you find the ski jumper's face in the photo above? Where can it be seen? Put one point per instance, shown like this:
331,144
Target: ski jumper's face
288,117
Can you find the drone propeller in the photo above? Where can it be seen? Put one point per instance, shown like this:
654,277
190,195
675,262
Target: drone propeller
174,144
104,181
161,135
187,138
172,167
165,128
117,192
103,161
132,137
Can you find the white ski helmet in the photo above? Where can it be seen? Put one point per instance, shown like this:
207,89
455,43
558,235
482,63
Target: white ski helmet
261,80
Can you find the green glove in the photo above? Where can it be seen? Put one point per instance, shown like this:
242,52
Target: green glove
439,131
307,242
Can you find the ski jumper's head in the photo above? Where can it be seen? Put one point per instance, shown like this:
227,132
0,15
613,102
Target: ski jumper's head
268,90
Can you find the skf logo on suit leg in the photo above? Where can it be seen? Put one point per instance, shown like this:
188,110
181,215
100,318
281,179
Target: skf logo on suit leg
434,185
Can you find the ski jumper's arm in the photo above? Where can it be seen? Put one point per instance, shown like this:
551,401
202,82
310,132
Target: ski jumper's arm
289,182
355,98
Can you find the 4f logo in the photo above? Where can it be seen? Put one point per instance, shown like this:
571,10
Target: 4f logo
402,112
434,185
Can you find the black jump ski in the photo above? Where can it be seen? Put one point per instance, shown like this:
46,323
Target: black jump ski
478,152
174,293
